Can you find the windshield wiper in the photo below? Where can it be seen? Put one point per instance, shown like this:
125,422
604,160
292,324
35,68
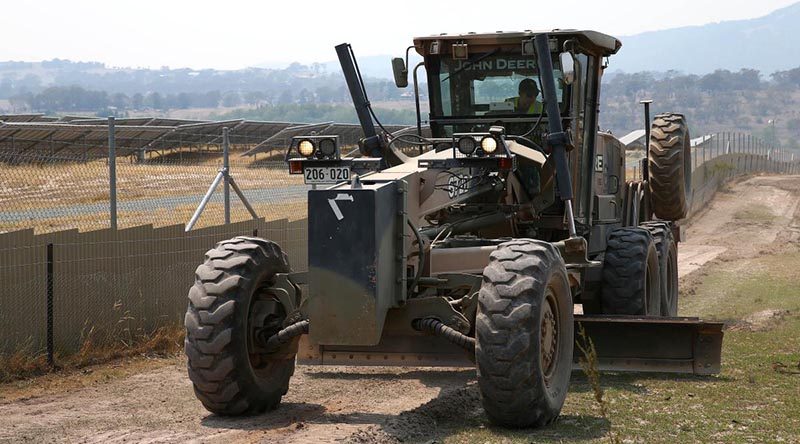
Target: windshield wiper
470,62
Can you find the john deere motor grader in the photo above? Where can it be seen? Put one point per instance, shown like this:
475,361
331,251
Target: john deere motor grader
473,252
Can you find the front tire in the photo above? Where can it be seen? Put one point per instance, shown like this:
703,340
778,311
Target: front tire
227,302
524,329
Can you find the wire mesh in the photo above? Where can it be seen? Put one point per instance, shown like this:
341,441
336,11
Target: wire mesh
49,192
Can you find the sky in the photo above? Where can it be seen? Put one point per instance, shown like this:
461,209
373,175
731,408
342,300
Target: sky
234,34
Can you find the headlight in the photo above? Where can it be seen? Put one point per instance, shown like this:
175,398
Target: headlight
305,148
327,147
489,144
466,145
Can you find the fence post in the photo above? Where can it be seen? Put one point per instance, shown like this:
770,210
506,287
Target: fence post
226,184
112,172
49,305
758,154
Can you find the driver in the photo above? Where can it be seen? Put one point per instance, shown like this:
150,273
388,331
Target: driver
526,102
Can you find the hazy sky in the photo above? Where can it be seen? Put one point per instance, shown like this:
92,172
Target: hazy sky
235,33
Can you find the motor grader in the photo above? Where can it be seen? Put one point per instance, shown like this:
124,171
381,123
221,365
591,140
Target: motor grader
470,242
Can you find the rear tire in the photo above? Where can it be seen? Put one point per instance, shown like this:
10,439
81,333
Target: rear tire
631,276
524,332
669,167
227,301
668,265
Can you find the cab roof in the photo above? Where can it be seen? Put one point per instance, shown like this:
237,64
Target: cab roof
605,44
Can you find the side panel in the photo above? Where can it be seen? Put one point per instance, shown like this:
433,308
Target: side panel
607,187
355,249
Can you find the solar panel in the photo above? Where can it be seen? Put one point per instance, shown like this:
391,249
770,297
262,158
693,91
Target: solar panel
25,118
251,133
36,139
128,121
35,134
281,139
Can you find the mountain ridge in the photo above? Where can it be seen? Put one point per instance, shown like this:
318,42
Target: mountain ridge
696,49
768,44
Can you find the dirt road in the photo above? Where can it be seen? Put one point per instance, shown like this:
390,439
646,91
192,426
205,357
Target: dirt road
328,404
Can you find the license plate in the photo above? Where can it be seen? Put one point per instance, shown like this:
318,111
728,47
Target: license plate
328,174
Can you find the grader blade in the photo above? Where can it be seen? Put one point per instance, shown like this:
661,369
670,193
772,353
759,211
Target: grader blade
646,344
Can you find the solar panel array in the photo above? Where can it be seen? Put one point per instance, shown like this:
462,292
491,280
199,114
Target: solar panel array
39,135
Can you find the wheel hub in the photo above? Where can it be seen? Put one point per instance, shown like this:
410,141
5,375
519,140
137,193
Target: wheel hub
265,318
549,334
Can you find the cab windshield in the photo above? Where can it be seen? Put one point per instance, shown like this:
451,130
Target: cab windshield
497,86
488,84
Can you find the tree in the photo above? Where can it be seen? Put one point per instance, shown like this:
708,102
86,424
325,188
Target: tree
790,78
231,99
137,101
183,101
154,100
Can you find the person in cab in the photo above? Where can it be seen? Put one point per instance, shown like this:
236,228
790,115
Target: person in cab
526,102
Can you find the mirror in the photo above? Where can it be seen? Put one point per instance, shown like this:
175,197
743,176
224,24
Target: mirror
400,72
567,67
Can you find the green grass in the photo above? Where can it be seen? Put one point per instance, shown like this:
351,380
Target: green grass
754,213
750,401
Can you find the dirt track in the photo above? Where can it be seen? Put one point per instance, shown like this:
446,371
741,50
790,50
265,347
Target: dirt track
355,404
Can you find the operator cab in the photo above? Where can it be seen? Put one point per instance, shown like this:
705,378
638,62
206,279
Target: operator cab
476,81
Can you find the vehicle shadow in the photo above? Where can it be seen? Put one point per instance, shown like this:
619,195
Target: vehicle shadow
456,410
291,413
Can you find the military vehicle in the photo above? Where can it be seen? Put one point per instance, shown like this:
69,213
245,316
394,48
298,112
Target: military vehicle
469,242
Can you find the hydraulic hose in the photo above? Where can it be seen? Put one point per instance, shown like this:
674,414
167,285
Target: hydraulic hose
284,336
418,274
436,327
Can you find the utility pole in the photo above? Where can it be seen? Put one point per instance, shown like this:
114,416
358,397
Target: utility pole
646,103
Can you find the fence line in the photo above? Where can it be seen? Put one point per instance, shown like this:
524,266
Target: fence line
111,285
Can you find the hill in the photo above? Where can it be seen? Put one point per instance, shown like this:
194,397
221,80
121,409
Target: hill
768,44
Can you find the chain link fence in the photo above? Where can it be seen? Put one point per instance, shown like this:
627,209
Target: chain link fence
763,156
59,192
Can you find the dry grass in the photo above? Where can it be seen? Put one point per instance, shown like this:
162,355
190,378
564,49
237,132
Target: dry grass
95,349
68,380
42,191
591,368
754,213
32,186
